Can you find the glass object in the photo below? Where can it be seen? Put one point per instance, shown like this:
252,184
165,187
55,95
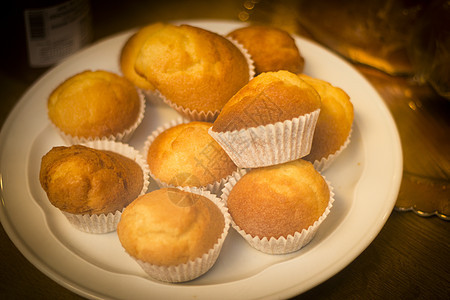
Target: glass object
373,32
56,29
429,48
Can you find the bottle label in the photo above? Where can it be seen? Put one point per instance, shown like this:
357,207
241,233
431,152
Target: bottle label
56,32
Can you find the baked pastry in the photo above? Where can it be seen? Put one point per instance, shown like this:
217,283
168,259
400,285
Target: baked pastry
271,48
268,98
196,70
270,120
278,208
129,54
334,125
175,235
184,154
95,104
82,181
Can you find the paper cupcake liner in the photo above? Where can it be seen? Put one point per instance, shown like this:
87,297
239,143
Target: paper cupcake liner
325,162
208,116
199,266
94,223
248,57
192,115
101,223
215,187
120,137
282,245
270,144
153,97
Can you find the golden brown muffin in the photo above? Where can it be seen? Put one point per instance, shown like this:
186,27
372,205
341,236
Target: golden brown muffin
83,180
186,155
94,104
169,227
268,98
335,119
130,52
272,49
192,67
278,200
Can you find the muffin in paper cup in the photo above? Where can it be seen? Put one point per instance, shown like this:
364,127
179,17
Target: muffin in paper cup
199,266
270,144
208,116
123,136
283,244
104,223
334,125
214,187
127,59
271,48
325,162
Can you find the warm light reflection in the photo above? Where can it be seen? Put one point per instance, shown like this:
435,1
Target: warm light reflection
1,190
408,93
360,55
243,16
412,105
249,4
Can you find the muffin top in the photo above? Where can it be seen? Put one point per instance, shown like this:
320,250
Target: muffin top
335,119
192,67
83,180
130,52
170,227
278,200
268,98
94,104
186,155
271,48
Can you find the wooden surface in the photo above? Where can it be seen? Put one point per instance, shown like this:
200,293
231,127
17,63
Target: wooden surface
409,259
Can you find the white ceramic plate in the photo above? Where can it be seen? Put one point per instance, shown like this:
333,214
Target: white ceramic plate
366,180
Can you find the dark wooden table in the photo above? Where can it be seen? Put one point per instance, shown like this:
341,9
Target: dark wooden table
409,259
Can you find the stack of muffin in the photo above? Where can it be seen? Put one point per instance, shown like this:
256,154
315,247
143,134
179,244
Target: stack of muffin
254,133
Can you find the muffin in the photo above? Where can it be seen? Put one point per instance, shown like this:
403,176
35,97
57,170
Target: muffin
271,48
278,209
334,125
174,235
91,184
271,120
195,70
128,56
95,104
182,153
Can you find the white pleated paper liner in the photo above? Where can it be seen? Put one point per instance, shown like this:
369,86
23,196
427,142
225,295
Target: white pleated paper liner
325,162
194,268
270,144
215,187
101,223
282,245
153,97
192,115
123,136
248,57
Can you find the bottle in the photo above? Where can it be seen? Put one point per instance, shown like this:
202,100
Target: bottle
56,29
